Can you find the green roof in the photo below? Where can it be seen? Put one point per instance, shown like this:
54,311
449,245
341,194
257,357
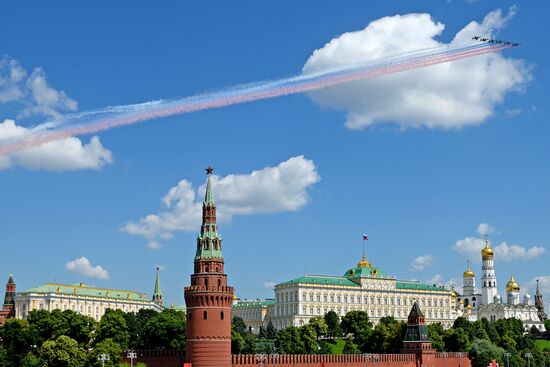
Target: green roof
157,291
364,271
419,286
319,279
88,291
254,303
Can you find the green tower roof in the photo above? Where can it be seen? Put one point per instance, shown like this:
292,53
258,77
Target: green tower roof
157,291
209,197
10,280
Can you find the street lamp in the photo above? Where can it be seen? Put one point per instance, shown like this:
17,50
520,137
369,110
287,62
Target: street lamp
528,356
260,359
507,354
131,356
103,357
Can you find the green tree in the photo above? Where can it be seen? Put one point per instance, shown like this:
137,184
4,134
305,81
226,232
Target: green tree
136,323
482,352
435,334
547,325
456,340
107,346
18,339
270,332
238,325
113,326
62,352
333,323
237,343
309,339
289,341
356,323
350,347
319,325
249,343
166,330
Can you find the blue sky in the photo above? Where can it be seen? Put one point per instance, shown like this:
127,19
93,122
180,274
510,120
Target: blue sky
415,188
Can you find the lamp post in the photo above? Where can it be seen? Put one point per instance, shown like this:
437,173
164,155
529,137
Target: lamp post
103,357
528,356
507,354
131,356
260,359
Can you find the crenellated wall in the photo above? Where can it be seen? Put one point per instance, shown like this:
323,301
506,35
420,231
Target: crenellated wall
326,360
175,358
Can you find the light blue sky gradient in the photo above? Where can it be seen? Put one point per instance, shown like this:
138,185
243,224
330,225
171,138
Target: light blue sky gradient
413,191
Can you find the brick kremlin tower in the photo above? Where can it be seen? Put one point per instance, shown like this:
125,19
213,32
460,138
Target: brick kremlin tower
8,308
416,338
208,298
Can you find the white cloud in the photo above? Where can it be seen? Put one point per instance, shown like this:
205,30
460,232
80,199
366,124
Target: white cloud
446,96
82,266
422,262
32,92
67,154
436,279
472,246
268,190
485,229
507,252
269,285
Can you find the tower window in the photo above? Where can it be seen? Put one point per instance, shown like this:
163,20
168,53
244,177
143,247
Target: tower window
217,270
206,269
205,315
206,282
221,315
219,282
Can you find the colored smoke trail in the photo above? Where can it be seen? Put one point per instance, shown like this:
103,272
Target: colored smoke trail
111,117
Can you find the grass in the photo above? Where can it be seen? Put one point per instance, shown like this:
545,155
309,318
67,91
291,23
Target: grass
337,346
542,344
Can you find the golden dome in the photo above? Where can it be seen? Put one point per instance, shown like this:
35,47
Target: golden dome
469,273
512,285
453,294
363,263
487,252
460,301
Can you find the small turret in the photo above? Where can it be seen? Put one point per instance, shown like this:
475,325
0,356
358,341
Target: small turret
157,293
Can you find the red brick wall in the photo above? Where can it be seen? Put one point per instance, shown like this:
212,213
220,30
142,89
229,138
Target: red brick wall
157,358
175,358
324,360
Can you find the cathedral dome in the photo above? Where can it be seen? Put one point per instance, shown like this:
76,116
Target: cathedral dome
487,252
512,285
469,273
364,263
497,298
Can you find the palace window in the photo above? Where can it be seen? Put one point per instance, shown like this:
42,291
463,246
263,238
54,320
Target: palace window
325,297
318,297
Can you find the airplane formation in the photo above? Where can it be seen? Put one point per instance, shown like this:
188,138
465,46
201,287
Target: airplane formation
489,40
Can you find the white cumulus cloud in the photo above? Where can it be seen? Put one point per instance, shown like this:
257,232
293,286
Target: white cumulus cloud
269,285
445,96
422,262
32,92
67,154
485,229
544,287
472,246
268,190
82,266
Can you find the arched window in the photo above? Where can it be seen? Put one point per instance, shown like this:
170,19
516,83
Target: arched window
221,315
205,315
206,282
206,269
217,270
219,282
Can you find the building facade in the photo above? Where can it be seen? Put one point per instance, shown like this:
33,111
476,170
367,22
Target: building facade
86,300
362,288
208,299
255,313
8,307
489,304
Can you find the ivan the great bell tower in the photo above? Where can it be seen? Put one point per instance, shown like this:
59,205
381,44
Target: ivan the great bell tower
208,298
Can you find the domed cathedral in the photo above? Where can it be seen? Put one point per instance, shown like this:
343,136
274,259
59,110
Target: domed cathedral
491,306
470,296
208,299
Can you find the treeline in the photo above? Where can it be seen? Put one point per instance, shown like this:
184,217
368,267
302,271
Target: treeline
66,338
483,340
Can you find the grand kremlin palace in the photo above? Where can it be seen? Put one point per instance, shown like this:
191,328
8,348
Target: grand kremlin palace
362,288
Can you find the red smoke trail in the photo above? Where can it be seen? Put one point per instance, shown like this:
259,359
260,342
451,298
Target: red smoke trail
301,86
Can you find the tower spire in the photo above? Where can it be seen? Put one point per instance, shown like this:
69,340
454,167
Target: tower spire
208,197
157,293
